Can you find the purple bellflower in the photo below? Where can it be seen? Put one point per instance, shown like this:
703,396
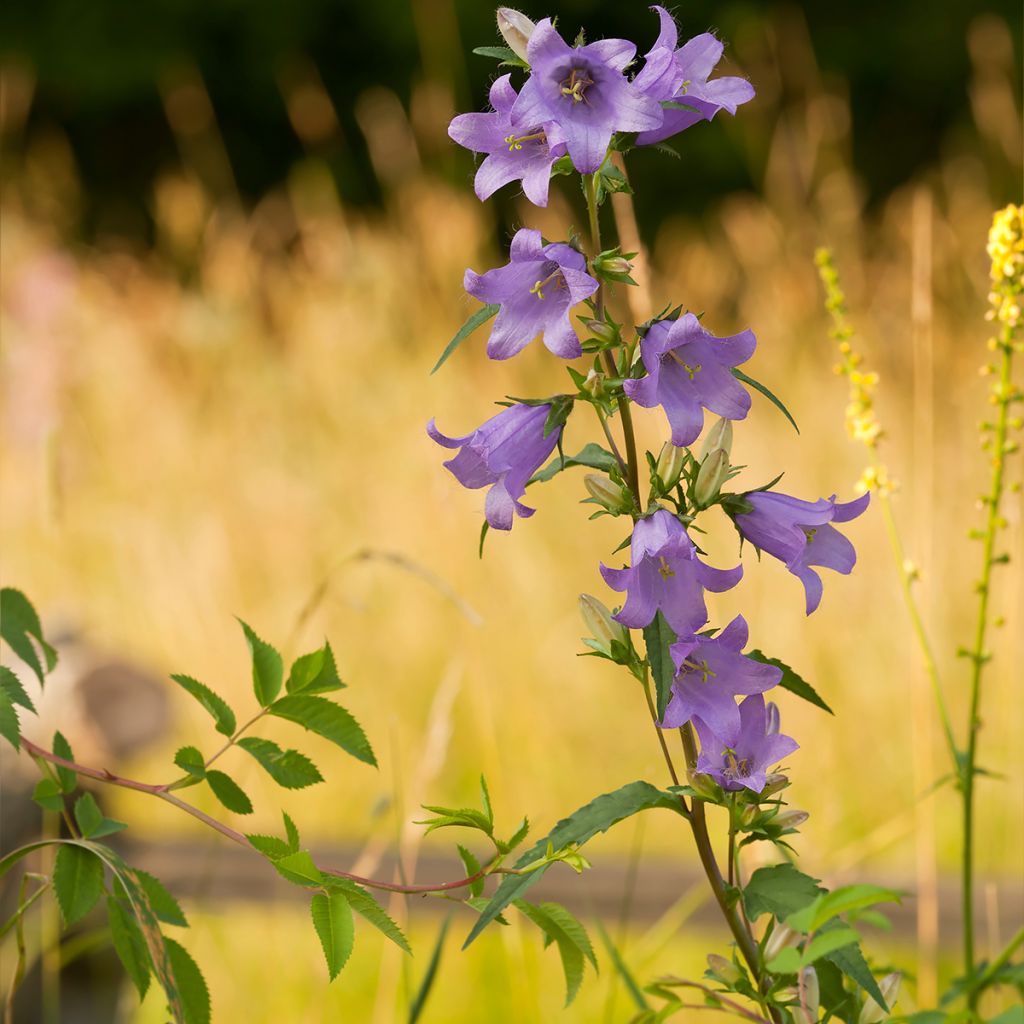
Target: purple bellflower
681,76
710,673
689,370
741,756
515,152
504,453
583,90
799,534
666,575
535,289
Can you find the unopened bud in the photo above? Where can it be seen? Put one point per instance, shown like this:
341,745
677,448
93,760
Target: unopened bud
670,465
606,493
781,938
724,970
790,818
602,329
712,474
890,988
774,783
612,265
719,436
810,999
594,384
703,785
772,723
515,29
598,620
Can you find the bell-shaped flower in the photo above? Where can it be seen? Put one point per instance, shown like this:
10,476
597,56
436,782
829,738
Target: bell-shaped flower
583,90
688,371
536,290
740,756
502,453
515,151
711,672
799,533
680,76
666,576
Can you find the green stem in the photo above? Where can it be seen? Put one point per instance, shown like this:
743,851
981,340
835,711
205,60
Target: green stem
978,656
987,976
189,780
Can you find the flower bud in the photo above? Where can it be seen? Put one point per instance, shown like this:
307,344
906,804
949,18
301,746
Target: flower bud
606,493
598,620
712,474
704,785
594,384
781,938
790,818
719,436
670,465
872,1013
774,783
612,265
602,330
515,29
810,1000
724,970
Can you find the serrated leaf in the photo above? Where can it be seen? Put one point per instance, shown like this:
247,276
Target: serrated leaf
519,835
288,768
582,825
659,637
228,792
332,919
461,817
758,386
269,846
162,903
791,960
315,672
560,927
291,832
48,795
299,868
485,801
791,681
91,821
472,867
481,316
779,890
77,882
635,992
363,903
191,986
850,960
11,685
67,778
480,904
223,716
592,455
327,719
267,667
191,760
129,944
840,901
10,727
19,626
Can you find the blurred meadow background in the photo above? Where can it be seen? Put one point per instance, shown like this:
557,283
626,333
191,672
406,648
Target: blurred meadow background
232,249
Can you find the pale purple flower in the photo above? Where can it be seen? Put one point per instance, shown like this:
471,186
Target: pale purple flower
798,533
583,90
741,756
667,576
504,453
515,151
689,370
535,289
711,671
681,76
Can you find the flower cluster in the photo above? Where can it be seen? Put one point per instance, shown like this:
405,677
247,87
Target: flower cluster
577,105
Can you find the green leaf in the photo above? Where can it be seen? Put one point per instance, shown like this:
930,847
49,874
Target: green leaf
423,992
299,868
163,904
19,626
191,986
228,792
582,825
363,903
11,685
91,821
48,795
635,992
129,944
503,54
791,681
658,637
758,386
288,768
10,727
779,890
67,778
460,817
841,901
481,316
591,455
77,881
327,719
791,960
267,667
269,846
850,960
315,672
518,836
332,919
485,802
291,832
472,866
560,927
223,716
191,760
